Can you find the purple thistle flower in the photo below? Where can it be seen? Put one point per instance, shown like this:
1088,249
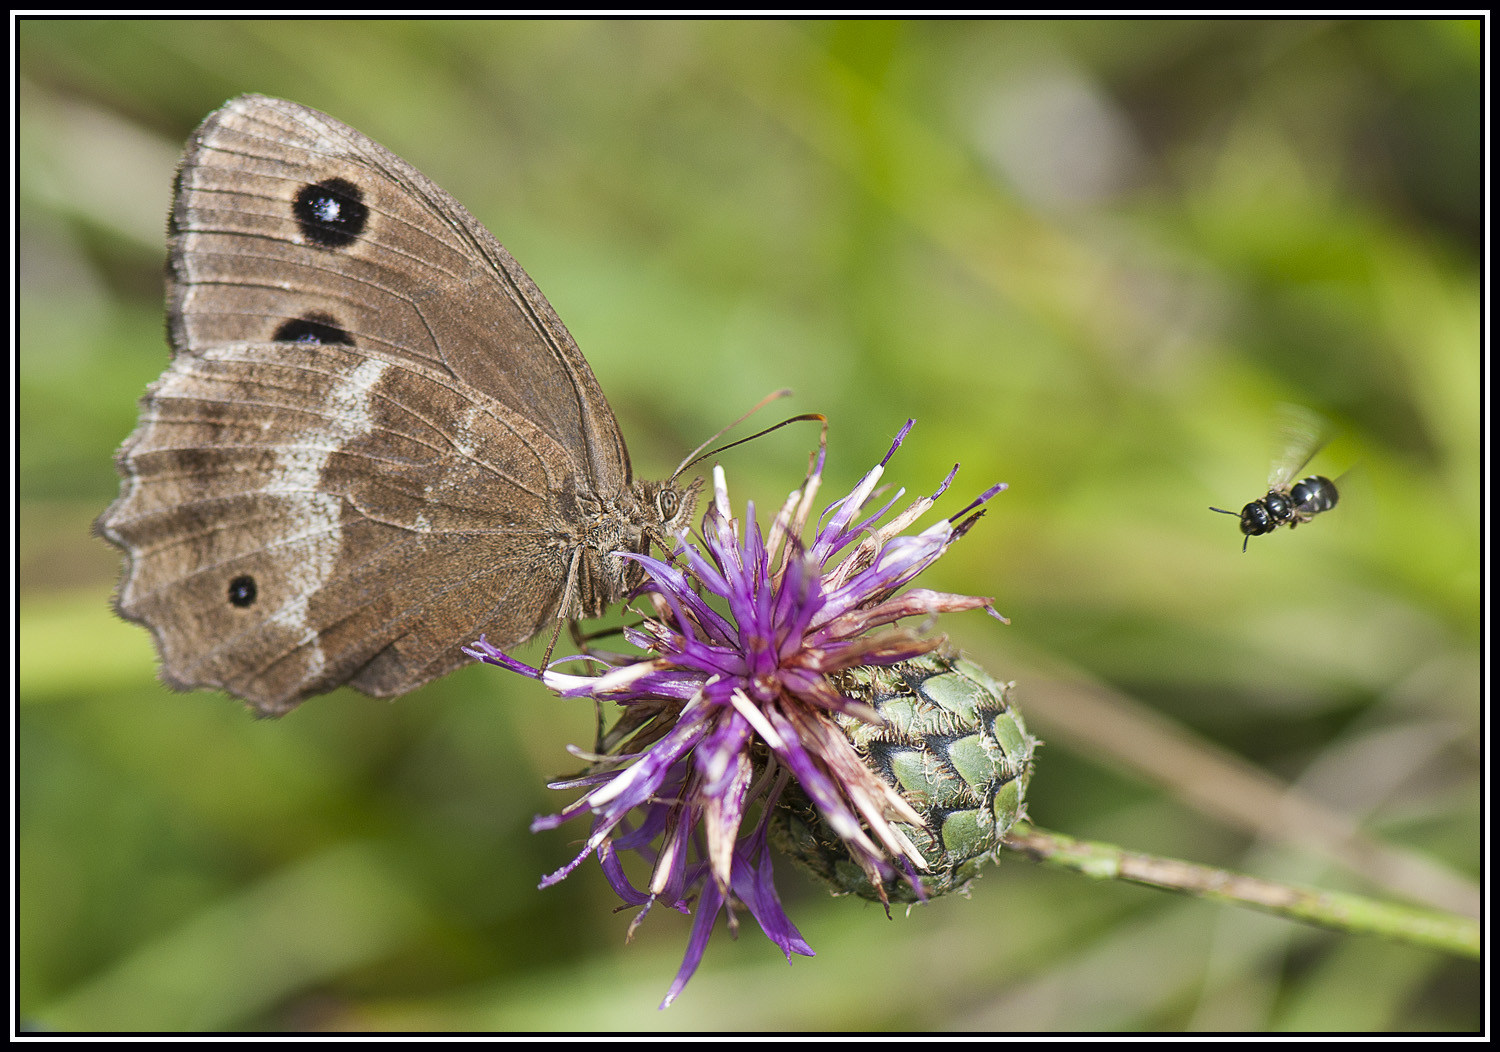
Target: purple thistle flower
733,706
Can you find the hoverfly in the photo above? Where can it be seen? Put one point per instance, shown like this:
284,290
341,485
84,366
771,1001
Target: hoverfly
1289,503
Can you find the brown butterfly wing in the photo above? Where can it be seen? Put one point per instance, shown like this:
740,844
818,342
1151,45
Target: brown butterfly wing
297,517
397,473
286,223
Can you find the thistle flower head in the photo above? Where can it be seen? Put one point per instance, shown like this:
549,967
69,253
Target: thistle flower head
738,697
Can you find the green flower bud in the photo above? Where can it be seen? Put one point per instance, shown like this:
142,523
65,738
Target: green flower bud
955,748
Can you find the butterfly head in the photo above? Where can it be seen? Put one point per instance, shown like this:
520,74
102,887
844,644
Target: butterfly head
669,509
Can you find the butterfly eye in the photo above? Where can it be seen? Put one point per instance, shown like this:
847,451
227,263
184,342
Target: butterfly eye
667,503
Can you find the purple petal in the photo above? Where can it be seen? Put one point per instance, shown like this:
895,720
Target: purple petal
481,650
755,886
900,437
709,905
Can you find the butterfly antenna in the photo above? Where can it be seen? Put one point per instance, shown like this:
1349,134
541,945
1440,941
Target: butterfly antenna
688,460
750,438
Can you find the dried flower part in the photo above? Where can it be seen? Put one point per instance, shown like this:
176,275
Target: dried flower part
952,745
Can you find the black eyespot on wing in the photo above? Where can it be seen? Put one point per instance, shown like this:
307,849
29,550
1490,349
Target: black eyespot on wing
242,591
331,214
313,329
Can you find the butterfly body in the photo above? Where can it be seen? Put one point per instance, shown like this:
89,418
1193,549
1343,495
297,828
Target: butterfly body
375,441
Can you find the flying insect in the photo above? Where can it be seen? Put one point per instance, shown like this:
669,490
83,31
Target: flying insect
1289,503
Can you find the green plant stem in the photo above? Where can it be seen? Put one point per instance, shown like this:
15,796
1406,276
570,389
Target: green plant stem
1447,932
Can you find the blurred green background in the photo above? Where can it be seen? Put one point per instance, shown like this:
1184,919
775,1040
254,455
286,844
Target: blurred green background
1088,257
